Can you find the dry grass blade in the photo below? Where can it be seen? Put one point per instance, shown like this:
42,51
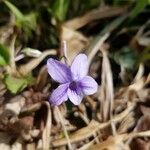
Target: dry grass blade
97,46
47,129
5,146
79,135
12,51
116,141
141,37
6,32
17,146
107,91
86,146
64,128
31,146
12,68
91,129
25,69
102,12
110,144
139,84
126,123
138,134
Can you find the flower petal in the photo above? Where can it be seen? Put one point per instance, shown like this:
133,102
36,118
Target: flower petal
79,67
74,97
88,85
59,95
58,71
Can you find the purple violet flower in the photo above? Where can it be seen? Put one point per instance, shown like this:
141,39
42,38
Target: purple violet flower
74,82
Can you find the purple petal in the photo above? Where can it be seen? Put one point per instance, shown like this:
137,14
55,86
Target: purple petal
88,85
75,97
79,67
59,95
58,71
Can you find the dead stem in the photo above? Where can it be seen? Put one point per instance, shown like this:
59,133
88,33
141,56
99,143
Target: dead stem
64,128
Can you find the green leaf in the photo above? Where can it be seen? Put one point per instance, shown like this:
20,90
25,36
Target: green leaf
29,23
140,5
17,84
30,20
26,22
126,57
15,10
60,9
4,55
